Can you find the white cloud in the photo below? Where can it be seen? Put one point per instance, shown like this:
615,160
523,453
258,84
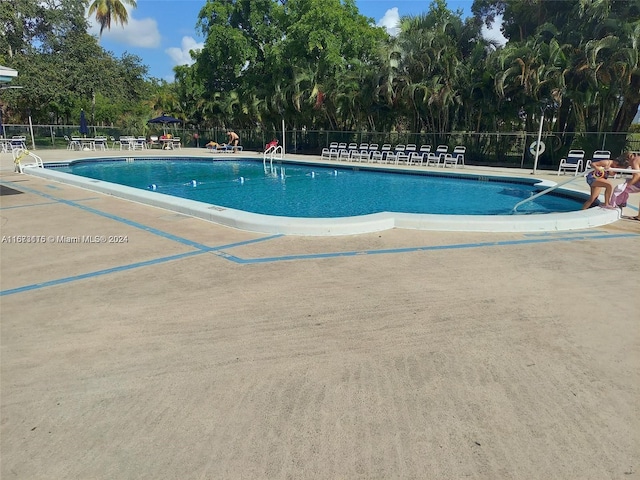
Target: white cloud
142,33
391,21
180,55
493,32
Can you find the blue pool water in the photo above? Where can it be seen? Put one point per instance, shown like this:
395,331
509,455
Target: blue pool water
296,190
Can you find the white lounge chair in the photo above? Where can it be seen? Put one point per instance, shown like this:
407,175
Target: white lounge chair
140,143
344,153
573,162
100,143
377,155
341,146
18,141
409,151
154,141
230,148
400,154
392,155
330,151
72,143
352,149
373,147
434,158
456,157
596,157
126,142
384,151
421,155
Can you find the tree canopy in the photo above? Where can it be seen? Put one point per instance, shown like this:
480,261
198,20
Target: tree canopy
63,69
320,64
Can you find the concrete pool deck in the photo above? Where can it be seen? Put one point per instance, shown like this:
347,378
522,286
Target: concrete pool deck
186,349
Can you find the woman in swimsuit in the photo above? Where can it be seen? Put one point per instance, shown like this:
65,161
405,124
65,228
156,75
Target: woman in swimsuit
632,185
597,179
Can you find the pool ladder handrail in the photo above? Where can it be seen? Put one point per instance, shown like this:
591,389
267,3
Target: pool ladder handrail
553,187
557,185
273,152
19,153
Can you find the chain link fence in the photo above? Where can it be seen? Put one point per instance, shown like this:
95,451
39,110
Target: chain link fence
487,149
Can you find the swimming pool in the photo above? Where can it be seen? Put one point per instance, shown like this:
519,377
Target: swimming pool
296,190
252,196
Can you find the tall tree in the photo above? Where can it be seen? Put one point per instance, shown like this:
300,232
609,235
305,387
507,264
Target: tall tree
587,48
107,11
435,48
29,25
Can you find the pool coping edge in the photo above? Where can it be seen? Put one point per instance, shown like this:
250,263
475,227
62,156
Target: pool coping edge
259,223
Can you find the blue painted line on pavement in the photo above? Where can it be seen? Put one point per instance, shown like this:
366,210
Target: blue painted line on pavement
215,250
28,205
459,246
566,233
98,273
131,223
220,250
44,204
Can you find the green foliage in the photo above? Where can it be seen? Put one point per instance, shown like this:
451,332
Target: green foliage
319,64
25,24
107,11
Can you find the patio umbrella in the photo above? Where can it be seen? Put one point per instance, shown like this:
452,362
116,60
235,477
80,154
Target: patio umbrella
84,129
165,120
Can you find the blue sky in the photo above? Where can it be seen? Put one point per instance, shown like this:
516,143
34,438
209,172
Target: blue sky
162,32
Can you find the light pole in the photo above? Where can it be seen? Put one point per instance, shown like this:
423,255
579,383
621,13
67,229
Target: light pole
538,144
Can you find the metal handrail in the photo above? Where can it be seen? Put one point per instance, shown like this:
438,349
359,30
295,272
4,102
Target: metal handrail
272,151
553,187
20,153
557,185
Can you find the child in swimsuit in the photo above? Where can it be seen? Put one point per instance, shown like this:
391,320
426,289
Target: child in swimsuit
597,179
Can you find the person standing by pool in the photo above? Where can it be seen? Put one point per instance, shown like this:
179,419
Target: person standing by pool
597,179
632,185
234,139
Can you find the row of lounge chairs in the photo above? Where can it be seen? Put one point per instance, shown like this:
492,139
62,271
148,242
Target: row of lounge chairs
575,161
14,143
408,154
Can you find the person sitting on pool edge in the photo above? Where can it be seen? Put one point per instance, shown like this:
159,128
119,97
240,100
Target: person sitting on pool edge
234,139
597,179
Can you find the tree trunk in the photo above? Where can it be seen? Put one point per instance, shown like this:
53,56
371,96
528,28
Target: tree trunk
629,108
625,116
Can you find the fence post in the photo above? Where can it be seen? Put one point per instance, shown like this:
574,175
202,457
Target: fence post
535,162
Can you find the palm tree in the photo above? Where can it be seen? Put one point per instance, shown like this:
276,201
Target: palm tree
107,10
